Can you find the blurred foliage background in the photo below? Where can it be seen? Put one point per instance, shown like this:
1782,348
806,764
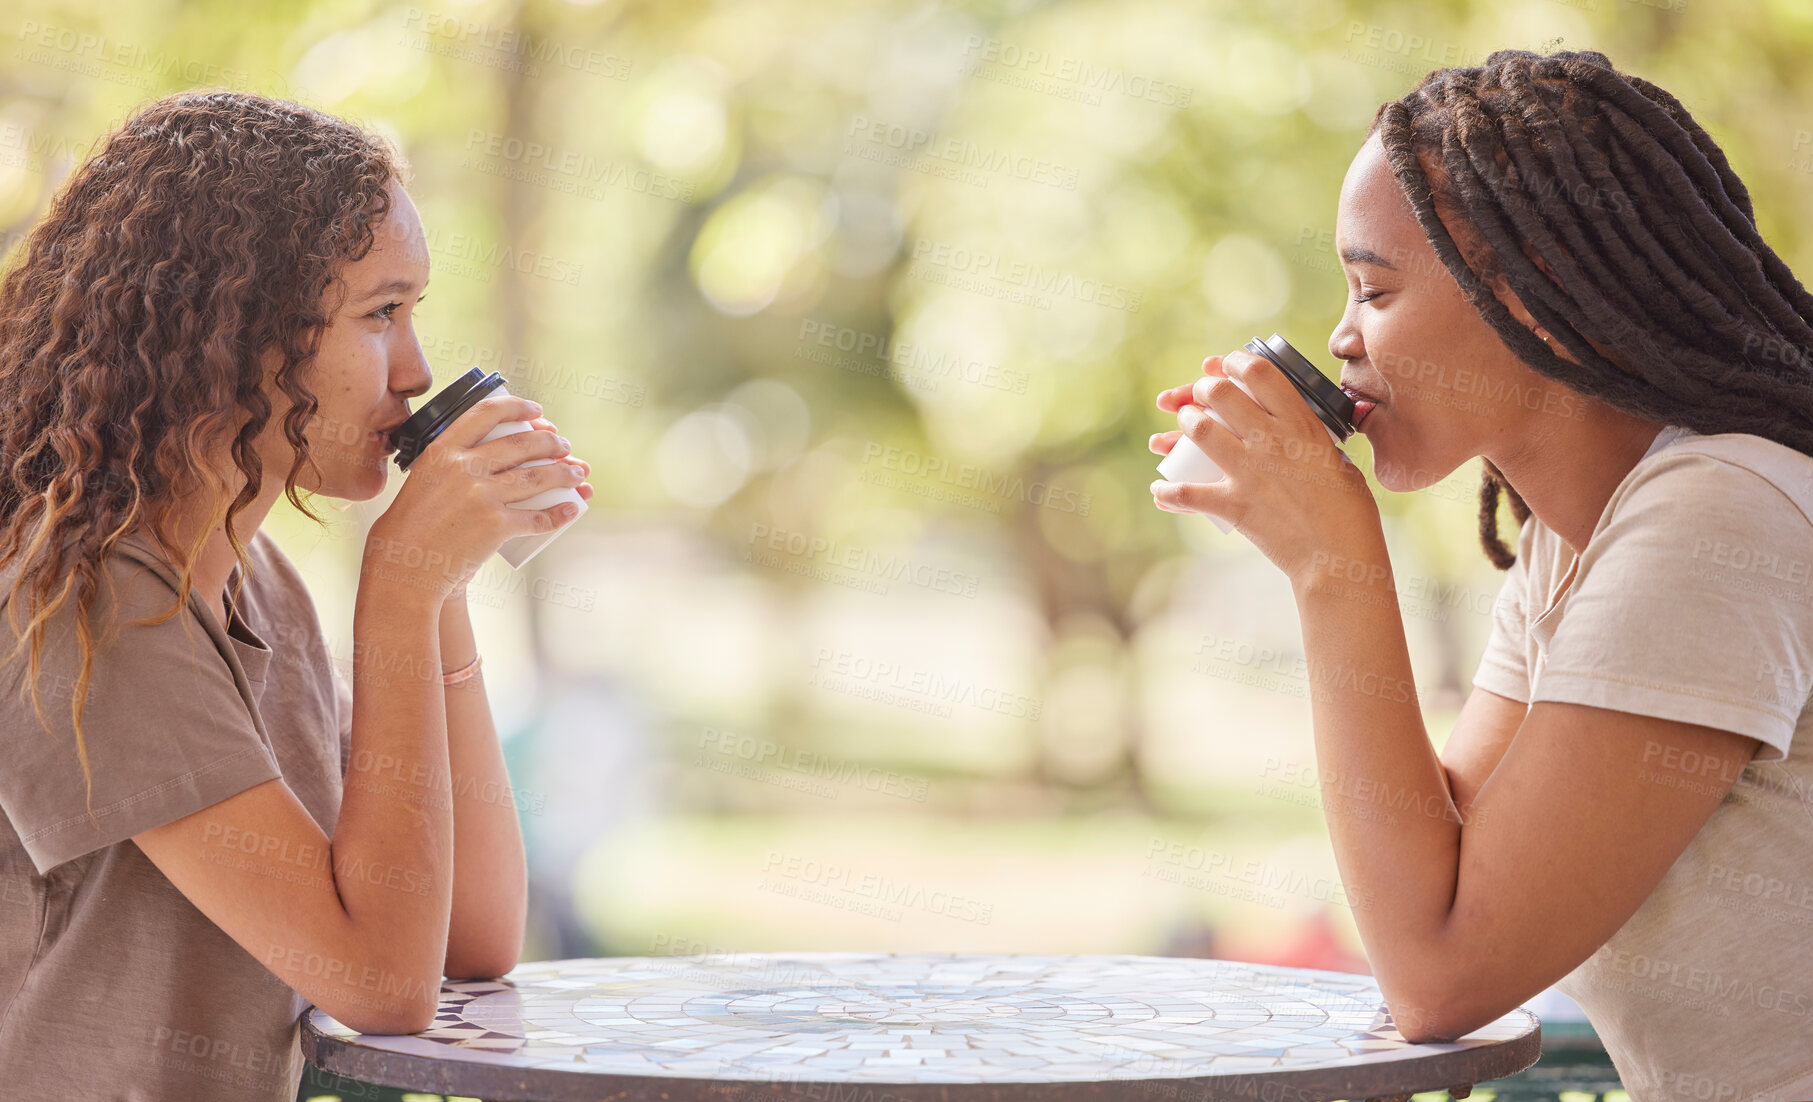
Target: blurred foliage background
872,638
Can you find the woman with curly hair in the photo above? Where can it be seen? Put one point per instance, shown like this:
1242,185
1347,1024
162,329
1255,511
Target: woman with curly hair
1554,267
205,827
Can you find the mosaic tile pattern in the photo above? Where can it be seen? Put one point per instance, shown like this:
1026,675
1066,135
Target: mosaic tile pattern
922,1018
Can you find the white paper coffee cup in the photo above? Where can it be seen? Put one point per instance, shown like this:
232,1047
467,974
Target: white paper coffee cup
520,549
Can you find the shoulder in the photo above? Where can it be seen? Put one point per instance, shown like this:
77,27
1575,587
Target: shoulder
1711,483
1727,517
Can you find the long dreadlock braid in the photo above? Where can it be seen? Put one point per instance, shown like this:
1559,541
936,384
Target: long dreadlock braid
1663,291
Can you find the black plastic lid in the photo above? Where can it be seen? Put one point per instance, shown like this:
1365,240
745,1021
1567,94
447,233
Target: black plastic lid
432,419
1329,401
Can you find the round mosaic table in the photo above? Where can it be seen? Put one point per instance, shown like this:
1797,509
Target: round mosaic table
902,1027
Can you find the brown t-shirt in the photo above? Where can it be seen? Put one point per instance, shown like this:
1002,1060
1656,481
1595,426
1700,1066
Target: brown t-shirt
112,984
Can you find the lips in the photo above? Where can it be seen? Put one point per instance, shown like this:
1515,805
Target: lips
385,440
1363,404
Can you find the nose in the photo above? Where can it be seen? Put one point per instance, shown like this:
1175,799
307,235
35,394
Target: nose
411,375
1344,343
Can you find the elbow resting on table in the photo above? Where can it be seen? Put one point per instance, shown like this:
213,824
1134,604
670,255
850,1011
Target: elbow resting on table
387,997
389,1022
1444,1015
1450,985
1428,1030
480,968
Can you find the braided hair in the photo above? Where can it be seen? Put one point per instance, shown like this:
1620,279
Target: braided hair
1663,291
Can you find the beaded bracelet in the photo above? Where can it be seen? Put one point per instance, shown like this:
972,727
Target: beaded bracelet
463,672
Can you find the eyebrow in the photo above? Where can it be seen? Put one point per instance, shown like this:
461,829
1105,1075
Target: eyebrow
393,287
1360,254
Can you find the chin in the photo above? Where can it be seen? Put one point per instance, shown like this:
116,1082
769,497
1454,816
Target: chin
358,484
1393,479
1403,475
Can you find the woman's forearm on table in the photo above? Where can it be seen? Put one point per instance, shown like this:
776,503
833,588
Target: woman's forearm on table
490,874
1392,819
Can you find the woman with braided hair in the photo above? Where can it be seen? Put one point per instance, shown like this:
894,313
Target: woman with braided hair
1553,267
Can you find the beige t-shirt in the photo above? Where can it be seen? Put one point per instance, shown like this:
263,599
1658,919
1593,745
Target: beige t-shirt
1693,601
112,985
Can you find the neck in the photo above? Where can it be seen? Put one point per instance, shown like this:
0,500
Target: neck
216,562
1566,470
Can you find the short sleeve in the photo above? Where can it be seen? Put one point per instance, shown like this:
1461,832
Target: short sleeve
1504,665
165,725
1693,603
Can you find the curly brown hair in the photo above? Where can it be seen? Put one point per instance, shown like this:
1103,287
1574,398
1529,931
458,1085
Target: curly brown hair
1608,181
192,250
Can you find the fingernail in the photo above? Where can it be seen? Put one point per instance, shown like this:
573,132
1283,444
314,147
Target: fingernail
1188,416
564,443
